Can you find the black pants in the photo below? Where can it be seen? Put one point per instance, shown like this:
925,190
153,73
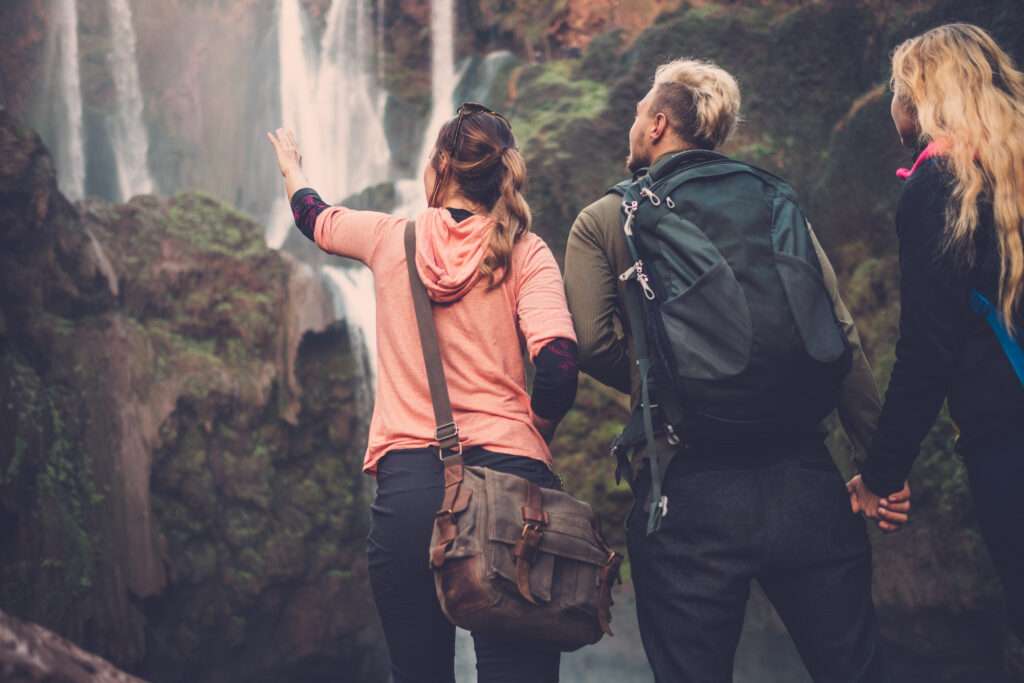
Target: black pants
421,640
996,473
782,518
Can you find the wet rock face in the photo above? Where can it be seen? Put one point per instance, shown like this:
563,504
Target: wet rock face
32,654
180,437
22,33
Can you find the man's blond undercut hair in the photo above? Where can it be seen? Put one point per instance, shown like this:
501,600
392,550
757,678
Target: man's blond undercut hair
701,100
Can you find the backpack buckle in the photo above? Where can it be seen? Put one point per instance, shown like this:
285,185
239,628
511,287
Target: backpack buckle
654,199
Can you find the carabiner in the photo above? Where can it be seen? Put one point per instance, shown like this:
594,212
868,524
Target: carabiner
654,199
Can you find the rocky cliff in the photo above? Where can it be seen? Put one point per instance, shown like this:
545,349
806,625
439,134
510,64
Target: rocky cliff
181,438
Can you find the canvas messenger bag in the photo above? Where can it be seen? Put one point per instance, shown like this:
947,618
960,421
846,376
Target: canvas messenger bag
509,558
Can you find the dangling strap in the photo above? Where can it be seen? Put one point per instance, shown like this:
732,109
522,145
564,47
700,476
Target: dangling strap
635,310
607,577
525,550
456,499
1013,351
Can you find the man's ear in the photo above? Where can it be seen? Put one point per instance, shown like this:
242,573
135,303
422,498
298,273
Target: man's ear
659,128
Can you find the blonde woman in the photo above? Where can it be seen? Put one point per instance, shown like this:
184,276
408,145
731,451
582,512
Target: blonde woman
959,220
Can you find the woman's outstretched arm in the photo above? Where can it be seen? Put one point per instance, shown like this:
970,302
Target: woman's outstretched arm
335,229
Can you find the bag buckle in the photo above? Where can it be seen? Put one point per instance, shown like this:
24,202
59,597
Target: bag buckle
529,542
447,437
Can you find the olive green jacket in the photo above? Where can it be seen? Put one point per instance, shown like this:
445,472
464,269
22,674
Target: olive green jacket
596,254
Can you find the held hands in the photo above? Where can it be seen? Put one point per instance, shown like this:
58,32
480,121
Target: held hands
286,147
891,512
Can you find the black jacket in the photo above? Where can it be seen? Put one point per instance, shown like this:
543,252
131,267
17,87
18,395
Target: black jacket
944,350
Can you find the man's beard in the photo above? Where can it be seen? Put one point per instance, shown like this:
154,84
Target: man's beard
635,162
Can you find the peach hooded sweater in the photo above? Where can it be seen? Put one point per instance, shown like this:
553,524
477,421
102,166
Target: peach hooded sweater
482,332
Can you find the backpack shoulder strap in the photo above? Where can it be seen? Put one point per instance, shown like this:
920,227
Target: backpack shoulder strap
447,432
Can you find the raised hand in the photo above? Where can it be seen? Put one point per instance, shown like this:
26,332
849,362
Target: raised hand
287,149
890,512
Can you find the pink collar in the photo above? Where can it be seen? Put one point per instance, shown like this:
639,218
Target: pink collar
935,148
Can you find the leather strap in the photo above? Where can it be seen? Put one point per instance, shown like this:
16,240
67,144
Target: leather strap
607,577
456,499
525,550
447,432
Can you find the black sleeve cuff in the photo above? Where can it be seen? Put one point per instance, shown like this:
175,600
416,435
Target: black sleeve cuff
306,206
878,480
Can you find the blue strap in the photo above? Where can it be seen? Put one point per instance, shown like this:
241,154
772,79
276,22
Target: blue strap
984,307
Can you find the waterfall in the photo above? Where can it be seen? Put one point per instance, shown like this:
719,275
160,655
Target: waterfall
443,80
442,70
65,130
128,134
329,98
352,152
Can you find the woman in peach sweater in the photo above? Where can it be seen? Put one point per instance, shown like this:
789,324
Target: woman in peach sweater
498,293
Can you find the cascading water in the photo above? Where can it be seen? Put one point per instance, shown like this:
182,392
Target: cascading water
352,151
63,134
329,99
443,77
128,134
443,80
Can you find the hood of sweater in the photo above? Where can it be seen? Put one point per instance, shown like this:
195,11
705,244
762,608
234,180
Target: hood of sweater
449,252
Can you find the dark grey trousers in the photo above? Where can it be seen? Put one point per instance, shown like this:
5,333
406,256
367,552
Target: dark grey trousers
421,640
782,518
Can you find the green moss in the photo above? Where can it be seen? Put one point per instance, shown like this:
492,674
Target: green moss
285,554
200,561
550,96
212,226
50,476
247,477
243,526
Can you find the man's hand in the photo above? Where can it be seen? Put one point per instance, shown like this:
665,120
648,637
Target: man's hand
891,512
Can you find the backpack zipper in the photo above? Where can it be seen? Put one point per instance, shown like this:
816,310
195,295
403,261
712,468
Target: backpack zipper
637,271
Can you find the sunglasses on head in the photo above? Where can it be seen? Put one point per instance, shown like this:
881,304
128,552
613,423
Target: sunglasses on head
464,110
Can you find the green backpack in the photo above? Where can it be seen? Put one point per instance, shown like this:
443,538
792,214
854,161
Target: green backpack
735,333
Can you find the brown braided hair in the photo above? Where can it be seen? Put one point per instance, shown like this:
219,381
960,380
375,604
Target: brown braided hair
485,166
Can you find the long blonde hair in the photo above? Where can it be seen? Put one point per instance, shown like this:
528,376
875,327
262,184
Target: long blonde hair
967,94
487,168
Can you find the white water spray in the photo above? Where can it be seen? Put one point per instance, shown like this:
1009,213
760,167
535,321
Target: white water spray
128,134
443,80
329,99
331,102
62,61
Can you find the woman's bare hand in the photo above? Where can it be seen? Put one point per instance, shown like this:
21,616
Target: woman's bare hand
289,159
891,512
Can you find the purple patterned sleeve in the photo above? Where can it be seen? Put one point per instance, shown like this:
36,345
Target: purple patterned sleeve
554,383
306,206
